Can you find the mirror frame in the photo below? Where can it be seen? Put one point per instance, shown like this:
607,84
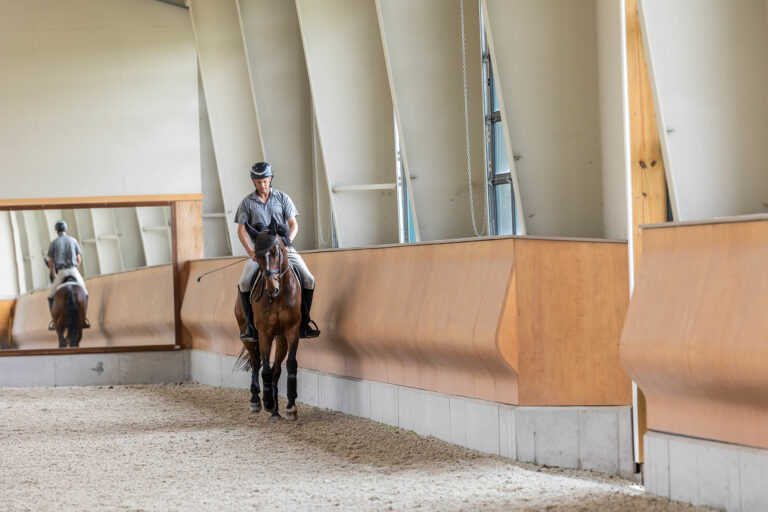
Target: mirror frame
187,244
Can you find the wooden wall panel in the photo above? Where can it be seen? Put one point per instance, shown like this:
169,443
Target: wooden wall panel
6,316
131,308
451,318
701,361
572,298
187,245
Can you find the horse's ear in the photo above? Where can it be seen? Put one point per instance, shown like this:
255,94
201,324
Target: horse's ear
274,226
253,232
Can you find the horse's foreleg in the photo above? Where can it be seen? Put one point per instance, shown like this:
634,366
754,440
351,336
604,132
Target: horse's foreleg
255,400
266,380
292,365
277,369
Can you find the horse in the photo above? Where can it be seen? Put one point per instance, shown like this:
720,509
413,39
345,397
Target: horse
276,302
68,312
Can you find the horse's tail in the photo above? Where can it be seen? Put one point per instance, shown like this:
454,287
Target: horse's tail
244,361
73,314
248,360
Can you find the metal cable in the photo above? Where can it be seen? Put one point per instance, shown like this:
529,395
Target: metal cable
466,126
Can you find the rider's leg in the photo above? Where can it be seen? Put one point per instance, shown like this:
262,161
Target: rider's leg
248,333
87,323
54,285
51,327
307,292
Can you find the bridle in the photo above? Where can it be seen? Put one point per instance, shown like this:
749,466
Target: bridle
270,274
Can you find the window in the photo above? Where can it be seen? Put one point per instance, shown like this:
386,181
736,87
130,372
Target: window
501,197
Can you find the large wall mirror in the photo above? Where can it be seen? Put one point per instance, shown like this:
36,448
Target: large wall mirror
126,265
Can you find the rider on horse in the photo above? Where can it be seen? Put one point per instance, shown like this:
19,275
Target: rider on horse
260,207
64,257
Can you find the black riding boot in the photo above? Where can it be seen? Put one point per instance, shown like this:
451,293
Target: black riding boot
51,327
87,323
248,333
306,330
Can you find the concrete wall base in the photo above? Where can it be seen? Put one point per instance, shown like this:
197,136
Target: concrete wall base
593,438
110,368
703,472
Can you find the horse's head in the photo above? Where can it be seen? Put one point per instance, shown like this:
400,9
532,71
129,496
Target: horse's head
270,248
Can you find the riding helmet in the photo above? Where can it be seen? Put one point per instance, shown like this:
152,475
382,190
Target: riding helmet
61,226
261,170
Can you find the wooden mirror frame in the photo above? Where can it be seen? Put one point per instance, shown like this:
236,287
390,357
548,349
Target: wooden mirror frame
186,244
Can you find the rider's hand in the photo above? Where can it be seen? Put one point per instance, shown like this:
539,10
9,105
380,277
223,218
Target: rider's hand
252,254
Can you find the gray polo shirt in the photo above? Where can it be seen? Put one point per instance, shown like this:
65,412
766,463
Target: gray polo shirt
64,250
252,210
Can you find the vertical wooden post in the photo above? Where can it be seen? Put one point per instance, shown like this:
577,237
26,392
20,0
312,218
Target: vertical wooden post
649,183
187,234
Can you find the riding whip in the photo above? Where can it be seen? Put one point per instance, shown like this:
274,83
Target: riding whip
220,268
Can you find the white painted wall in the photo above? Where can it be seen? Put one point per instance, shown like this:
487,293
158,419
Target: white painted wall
611,47
9,283
709,73
422,42
97,97
350,89
231,111
545,60
283,102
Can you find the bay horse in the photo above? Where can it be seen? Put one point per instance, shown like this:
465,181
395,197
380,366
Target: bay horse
68,312
276,302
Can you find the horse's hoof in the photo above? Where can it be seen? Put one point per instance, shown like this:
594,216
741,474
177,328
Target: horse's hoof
291,416
275,416
255,407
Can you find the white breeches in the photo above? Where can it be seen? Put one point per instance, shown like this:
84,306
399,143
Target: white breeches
61,274
250,268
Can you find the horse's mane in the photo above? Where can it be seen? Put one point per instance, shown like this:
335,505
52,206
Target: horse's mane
262,236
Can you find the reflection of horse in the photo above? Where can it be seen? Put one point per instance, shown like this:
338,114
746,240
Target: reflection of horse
276,303
68,312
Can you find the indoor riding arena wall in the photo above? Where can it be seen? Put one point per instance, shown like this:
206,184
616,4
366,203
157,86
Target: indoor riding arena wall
128,308
695,342
506,345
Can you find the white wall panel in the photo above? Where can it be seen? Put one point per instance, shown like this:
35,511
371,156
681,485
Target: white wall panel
423,47
283,101
216,240
348,78
9,283
610,49
131,249
545,62
226,83
100,91
710,79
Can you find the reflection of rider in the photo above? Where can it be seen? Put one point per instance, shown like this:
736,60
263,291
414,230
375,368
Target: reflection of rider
64,257
260,207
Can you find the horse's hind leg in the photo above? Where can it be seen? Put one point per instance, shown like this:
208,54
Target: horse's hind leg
62,339
292,365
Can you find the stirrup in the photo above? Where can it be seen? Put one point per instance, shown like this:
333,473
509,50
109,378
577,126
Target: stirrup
51,327
245,334
307,331
86,324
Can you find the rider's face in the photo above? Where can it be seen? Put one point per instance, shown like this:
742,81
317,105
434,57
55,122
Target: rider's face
262,185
